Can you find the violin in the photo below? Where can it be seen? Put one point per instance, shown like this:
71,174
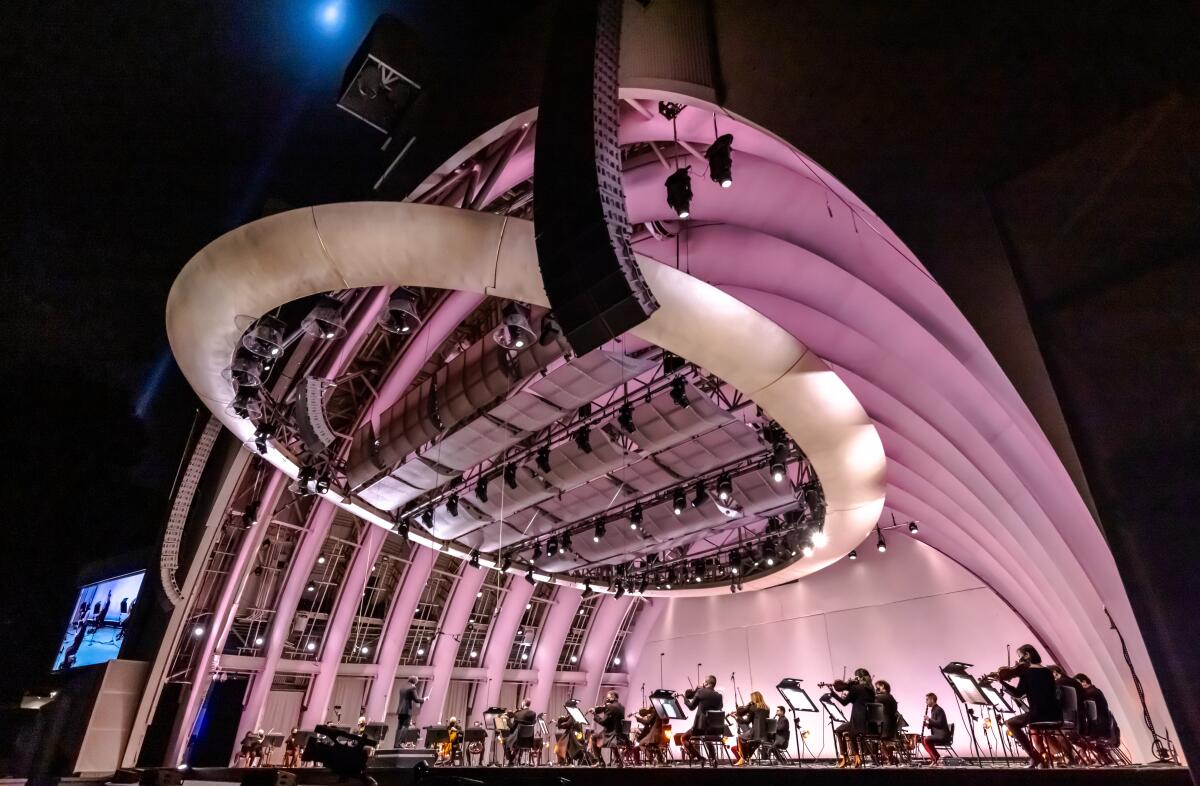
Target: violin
836,685
1006,673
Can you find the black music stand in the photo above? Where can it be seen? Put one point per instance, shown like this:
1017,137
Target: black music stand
666,704
970,695
834,710
798,701
472,735
270,743
489,724
1000,706
376,731
436,735
407,737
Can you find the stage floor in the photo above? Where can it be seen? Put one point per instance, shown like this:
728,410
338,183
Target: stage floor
816,775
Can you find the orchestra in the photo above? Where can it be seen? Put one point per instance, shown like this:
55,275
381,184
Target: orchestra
871,733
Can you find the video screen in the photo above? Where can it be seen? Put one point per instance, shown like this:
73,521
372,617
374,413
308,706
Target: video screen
96,629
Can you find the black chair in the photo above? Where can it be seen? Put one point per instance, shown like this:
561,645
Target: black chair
712,735
871,742
767,751
526,745
947,745
1061,732
621,747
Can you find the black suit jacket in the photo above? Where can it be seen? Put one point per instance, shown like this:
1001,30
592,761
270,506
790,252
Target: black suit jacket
524,717
407,700
890,711
704,700
1040,692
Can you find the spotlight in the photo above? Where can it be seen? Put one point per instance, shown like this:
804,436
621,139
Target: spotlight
583,439
853,554
510,475
514,331
619,591
321,560
880,544
574,658
550,331
326,320
912,527
529,576
537,551
481,491
720,160
309,482
262,437
779,462
364,649
679,393
452,505
820,539
198,631
543,458
311,646
679,191
724,487
245,371
247,404
625,417
311,588
635,517
250,515
258,641
566,543
701,495
420,652
599,532
400,315
807,550
587,592
474,653
505,562
680,502
265,337
401,528
474,561
645,582
427,517
551,546
670,577
617,661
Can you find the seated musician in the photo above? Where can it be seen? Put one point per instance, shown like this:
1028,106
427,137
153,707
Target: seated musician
750,719
568,747
611,718
454,732
522,717
1101,727
650,736
856,694
783,734
291,749
939,729
251,751
1036,685
703,700
887,732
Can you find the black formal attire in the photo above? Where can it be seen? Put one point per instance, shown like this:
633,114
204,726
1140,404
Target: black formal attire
569,733
753,719
522,717
890,713
939,732
783,737
404,712
857,697
1101,728
704,700
611,718
1036,685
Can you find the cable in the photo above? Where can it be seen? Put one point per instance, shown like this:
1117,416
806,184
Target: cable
1162,747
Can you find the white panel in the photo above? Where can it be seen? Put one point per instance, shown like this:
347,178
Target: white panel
456,700
570,466
560,692
420,474
281,711
527,412
348,693
663,423
111,717
579,382
388,493
508,694
475,441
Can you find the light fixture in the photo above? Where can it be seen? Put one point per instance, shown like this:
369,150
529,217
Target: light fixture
617,660
537,551
720,160
679,191
481,490
308,481
427,517
880,544
364,649
400,315
625,417
524,656
820,539
474,563
514,331
566,543
807,550
326,320
528,606
529,576
701,495
598,532
679,502
551,546
635,516
265,337
587,593
779,462
420,651
247,404
245,371
474,654
311,646
311,588
620,590
258,641
853,554
510,475
198,631
452,505
645,582
505,563
583,439
574,658
321,560
679,393
401,527
543,458
912,527
724,487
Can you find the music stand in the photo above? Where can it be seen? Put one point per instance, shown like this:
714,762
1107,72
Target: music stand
270,743
798,701
408,736
376,731
572,708
1000,705
970,695
436,735
834,709
489,724
666,704
472,735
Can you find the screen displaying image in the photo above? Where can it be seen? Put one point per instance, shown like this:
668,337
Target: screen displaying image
96,629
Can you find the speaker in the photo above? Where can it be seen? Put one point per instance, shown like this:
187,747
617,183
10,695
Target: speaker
160,776
402,758
384,77
265,776
581,226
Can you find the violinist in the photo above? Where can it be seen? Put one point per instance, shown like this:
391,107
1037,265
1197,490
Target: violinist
703,700
751,719
568,741
857,694
1036,685
939,729
291,749
522,717
650,735
611,717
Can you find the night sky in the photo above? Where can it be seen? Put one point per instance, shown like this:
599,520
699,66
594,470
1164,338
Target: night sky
131,138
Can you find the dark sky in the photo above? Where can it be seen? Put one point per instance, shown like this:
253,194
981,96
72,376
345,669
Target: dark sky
133,135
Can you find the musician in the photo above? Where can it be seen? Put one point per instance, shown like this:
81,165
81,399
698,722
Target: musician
291,749
1101,727
783,734
750,717
650,736
939,729
891,713
703,700
407,699
1036,685
856,694
542,733
611,718
568,747
252,749
522,717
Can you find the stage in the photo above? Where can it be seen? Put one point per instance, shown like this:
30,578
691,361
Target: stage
681,775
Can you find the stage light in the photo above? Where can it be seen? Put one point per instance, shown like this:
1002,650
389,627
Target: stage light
311,646
247,404
720,160
550,330
321,560
635,516
679,191
400,315
645,582
420,652
365,650
265,337
311,588
583,439
880,544
543,458
528,606
514,331
701,495
258,641
401,528
670,577
309,482
245,371
481,490
620,589
452,504
807,551
551,546
505,563
474,653
427,517
510,475
820,539
679,393
326,319
474,562
617,660
724,487
529,576
912,527
680,502
524,656
574,658
598,532
537,551
198,631
853,554
625,417
779,462
587,593
566,543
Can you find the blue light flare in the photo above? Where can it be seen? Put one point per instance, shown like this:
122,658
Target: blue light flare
331,15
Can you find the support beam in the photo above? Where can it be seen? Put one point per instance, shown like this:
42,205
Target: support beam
499,645
550,644
395,632
340,621
454,622
606,623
